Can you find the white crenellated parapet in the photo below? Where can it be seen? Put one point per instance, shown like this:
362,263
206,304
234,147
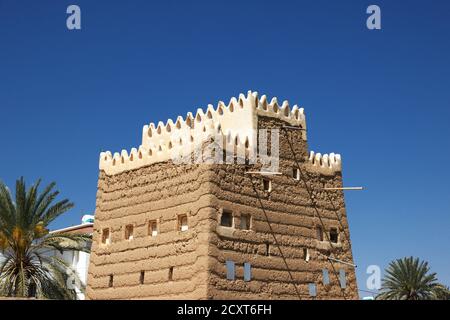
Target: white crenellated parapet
325,163
238,116
236,122
295,117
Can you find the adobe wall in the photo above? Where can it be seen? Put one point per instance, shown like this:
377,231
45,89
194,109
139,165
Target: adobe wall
293,220
159,191
144,185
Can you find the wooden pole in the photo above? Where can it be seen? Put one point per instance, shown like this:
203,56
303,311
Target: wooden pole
264,172
292,127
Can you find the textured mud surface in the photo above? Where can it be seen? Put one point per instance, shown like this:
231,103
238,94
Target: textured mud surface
196,258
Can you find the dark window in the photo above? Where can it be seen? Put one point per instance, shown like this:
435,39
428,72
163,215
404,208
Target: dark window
129,232
245,222
170,273
105,236
226,218
182,223
267,249
306,254
142,277
153,228
296,173
334,235
111,280
267,185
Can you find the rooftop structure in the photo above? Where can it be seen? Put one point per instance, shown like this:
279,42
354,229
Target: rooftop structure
222,229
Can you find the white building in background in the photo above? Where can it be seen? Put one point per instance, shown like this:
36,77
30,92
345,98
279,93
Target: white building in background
78,260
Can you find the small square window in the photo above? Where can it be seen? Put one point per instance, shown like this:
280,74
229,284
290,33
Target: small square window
226,219
312,289
319,233
129,232
247,271
267,185
296,173
183,223
230,269
342,279
246,221
153,228
106,239
334,236
325,277
306,255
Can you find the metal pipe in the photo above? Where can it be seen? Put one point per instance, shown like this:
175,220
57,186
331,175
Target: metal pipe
345,188
343,262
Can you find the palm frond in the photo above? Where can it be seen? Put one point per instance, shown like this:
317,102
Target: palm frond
26,267
66,241
408,279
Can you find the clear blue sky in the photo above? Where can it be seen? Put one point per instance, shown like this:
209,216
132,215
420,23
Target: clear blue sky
380,98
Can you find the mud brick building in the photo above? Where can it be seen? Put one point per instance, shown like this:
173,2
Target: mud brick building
169,230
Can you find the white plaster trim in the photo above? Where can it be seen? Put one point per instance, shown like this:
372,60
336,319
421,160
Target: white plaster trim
237,120
326,163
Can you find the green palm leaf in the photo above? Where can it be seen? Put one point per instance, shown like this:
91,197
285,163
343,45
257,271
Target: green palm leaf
409,279
27,267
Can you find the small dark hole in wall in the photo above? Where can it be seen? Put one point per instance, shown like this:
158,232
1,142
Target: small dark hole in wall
296,173
111,280
267,249
226,219
306,254
153,228
267,185
182,223
333,235
170,273
129,232
105,236
142,277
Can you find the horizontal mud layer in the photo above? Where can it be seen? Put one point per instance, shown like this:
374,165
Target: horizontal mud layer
291,219
172,264
191,264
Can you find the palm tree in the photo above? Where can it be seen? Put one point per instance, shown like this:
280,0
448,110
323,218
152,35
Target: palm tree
28,265
409,279
442,293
